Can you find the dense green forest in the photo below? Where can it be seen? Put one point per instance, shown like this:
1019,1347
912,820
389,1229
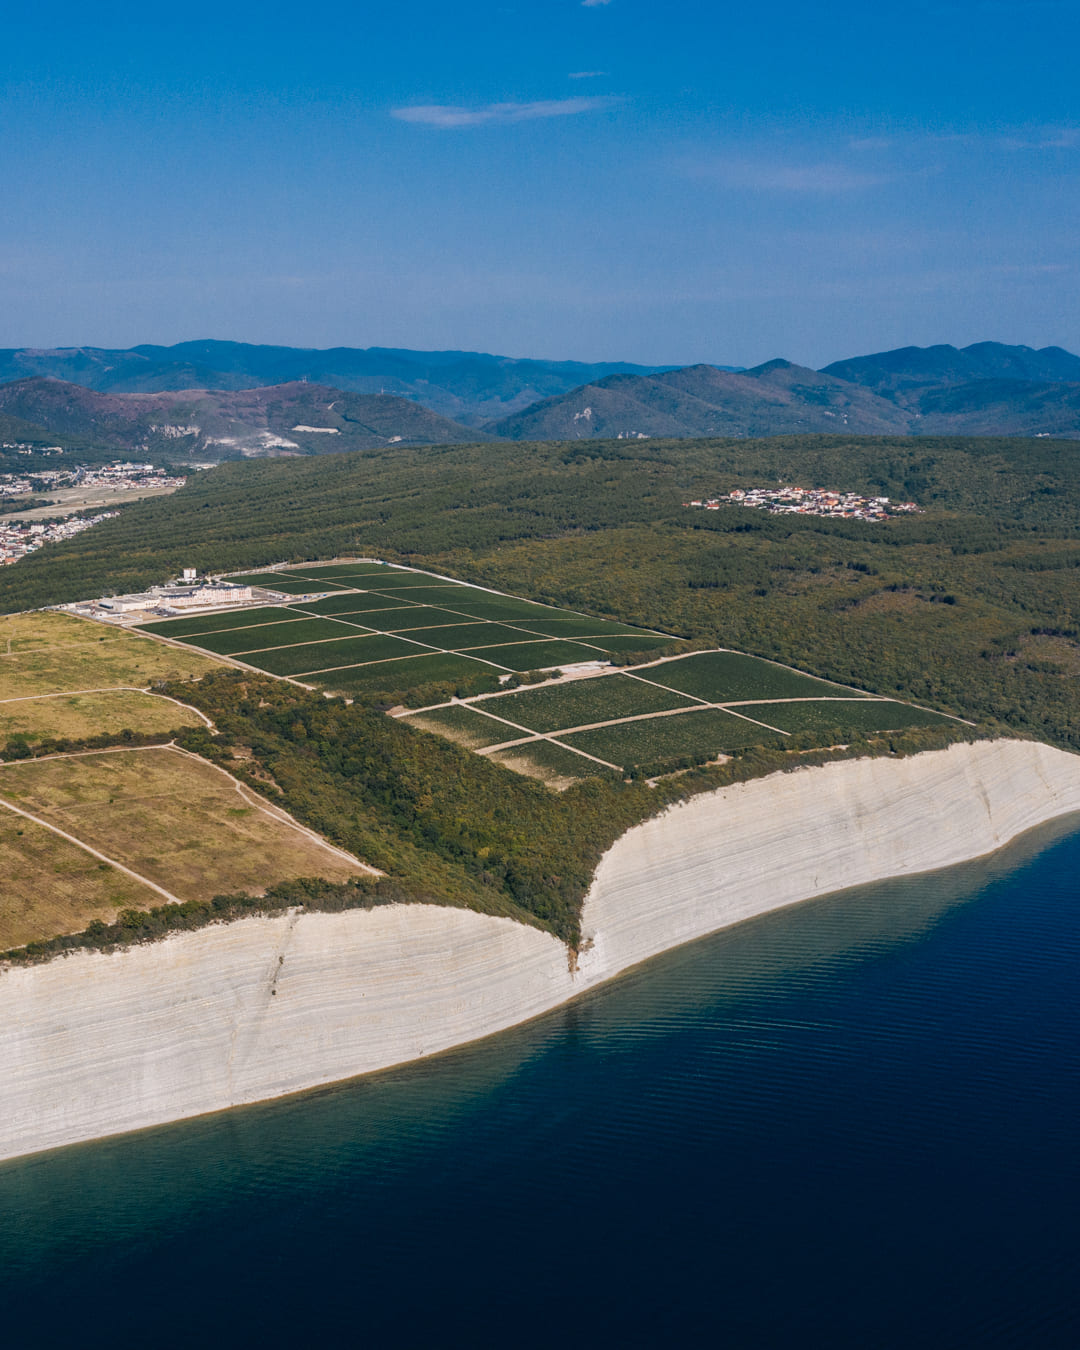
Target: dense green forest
971,607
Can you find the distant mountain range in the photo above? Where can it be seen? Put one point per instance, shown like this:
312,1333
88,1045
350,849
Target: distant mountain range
987,389
470,387
902,373
218,400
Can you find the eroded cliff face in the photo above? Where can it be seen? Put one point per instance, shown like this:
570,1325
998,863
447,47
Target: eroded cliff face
754,847
97,1044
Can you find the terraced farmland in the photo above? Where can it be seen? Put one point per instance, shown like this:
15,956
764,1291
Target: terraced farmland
724,677
335,574
654,739
521,656
404,673
383,631
217,622
458,636
287,585
352,602
374,629
285,634
581,703
627,719
412,617
623,642
328,656
846,715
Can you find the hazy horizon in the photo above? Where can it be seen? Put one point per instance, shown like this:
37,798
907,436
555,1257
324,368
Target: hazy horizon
513,356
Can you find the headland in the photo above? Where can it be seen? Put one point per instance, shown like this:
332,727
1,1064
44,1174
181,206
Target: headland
100,1043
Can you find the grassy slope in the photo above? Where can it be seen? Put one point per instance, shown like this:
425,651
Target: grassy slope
80,716
547,762
463,726
178,822
56,653
52,886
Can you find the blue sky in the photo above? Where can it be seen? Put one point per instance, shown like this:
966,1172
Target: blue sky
622,180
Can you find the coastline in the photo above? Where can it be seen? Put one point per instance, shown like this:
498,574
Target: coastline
102,1043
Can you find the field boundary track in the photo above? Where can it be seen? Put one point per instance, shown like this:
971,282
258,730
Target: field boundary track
111,689
94,853
275,813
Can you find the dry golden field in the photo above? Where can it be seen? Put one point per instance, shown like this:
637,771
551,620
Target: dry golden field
51,653
177,823
175,820
77,716
51,886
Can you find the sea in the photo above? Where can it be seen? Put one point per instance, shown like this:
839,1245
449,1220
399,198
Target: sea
854,1122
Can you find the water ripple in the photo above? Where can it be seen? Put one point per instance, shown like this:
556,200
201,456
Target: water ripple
849,1123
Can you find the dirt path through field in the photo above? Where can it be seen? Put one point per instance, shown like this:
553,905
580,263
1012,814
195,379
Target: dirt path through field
281,815
72,839
275,813
111,689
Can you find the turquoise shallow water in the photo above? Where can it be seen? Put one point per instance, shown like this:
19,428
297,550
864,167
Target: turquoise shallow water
849,1123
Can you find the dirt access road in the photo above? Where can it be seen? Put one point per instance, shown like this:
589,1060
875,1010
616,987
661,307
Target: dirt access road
67,501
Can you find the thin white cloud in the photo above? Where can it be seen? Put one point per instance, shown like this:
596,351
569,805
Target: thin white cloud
762,176
590,4
450,116
1051,138
1018,138
586,74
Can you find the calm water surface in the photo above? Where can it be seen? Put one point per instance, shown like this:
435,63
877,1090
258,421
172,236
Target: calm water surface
851,1123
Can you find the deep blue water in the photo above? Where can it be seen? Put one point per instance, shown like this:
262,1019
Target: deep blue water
851,1123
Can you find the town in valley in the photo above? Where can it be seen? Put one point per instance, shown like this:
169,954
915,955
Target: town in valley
33,522
809,502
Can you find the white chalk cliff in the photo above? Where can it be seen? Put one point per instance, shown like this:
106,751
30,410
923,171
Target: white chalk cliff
95,1043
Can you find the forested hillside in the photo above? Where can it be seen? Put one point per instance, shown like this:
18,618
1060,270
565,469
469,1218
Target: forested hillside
781,398
772,399
971,607
140,399
290,419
